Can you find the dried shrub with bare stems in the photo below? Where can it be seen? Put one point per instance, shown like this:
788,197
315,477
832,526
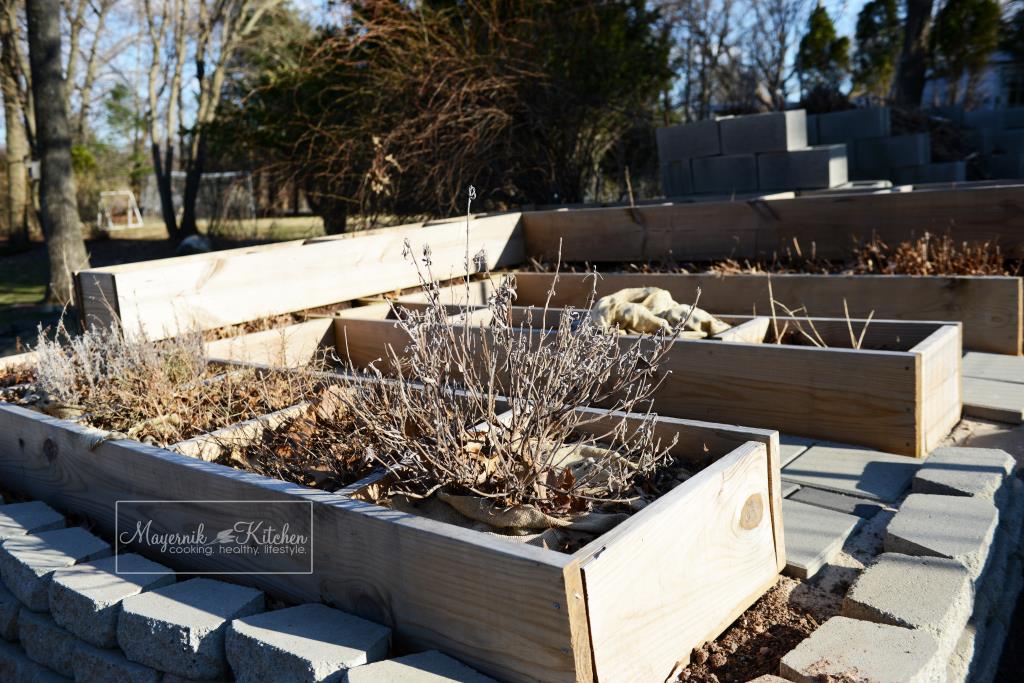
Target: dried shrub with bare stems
486,416
933,255
159,392
929,254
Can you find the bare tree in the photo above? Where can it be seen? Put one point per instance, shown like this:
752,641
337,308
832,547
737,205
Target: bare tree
57,189
771,37
211,32
708,52
87,22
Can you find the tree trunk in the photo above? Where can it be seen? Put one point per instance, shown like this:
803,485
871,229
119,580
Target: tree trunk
193,174
162,169
334,212
60,219
17,151
910,76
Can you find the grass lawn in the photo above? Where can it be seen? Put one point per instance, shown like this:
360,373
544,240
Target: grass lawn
23,279
24,275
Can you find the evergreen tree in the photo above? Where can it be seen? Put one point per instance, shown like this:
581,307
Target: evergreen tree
823,58
965,35
879,39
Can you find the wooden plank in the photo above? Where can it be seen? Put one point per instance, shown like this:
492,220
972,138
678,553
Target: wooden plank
993,400
990,308
169,296
97,302
994,367
211,446
941,386
389,567
752,331
857,396
619,234
290,346
634,608
18,359
825,225
697,439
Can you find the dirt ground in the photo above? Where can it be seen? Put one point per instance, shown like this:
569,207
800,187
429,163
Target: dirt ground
792,610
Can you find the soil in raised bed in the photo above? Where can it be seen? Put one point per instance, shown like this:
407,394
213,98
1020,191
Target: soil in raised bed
320,448
568,540
169,414
756,642
929,254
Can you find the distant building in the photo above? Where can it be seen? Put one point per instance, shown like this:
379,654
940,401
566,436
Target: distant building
1001,85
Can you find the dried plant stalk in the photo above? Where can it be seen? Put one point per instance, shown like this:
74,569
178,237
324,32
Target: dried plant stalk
445,425
158,392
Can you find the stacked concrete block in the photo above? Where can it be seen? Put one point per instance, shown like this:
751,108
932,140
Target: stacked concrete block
96,665
86,599
47,643
806,169
83,616
850,649
18,519
854,124
997,135
960,471
1005,166
954,527
729,173
181,628
968,506
1009,141
981,140
677,145
310,642
932,594
984,118
676,178
688,141
879,156
944,172
16,667
812,130
762,152
27,563
9,608
425,667
771,132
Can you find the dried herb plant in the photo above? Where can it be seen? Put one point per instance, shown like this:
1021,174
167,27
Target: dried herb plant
487,415
159,392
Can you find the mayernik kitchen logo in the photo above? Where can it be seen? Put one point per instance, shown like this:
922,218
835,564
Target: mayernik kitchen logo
219,536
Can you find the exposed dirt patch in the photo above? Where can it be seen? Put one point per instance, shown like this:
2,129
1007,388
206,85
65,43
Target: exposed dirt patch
757,641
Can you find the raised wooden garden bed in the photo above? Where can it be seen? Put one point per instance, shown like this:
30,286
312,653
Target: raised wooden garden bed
207,291
166,297
759,228
991,308
628,606
899,393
